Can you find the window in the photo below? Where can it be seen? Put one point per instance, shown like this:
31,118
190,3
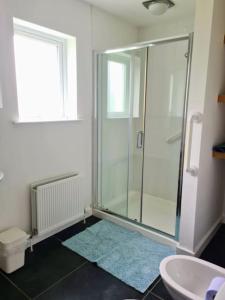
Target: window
123,85
45,72
118,67
117,87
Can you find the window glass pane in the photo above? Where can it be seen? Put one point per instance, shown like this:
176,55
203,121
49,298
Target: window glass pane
39,83
136,85
116,87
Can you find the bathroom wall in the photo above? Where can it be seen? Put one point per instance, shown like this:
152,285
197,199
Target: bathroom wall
210,199
202,200
111,32
182,26
30,152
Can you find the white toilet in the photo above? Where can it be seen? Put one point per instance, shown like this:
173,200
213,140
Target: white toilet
188,278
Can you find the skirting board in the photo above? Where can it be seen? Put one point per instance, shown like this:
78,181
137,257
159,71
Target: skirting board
207,238
37,239
135,227
203,242
184,251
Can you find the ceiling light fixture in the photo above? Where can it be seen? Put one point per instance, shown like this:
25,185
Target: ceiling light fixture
158,7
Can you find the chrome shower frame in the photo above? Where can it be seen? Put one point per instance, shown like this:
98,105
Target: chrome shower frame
95,141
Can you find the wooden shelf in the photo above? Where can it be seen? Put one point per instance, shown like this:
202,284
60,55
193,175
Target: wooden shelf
218,155
221,98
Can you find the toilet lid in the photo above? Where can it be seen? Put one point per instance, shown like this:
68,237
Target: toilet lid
221,293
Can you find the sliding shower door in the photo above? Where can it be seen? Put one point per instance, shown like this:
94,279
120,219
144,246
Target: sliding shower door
120,130
165,103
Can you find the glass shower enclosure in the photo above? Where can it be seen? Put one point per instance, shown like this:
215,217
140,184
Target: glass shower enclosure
141,114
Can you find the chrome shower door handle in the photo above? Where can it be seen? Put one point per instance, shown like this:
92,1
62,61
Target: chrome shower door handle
1,175
140,139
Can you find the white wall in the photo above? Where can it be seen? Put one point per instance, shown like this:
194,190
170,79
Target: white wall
163,30
211,177
203,195
34,151
110,32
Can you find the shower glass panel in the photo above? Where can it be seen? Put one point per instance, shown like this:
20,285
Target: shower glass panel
165,100
120,129
136,133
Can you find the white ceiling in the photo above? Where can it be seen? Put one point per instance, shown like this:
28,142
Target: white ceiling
134,12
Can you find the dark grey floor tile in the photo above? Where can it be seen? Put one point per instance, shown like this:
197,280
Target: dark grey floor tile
77,228
91,283
154,283
9,291
150,296
214,252
161,291
221,230
49,262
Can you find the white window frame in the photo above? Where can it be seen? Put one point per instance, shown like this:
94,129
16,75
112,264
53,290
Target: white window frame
124,60
61,41
132,89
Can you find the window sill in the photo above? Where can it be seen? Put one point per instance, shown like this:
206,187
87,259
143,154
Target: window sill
50,121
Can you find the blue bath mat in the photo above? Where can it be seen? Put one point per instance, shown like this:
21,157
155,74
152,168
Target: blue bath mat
127,255
98,240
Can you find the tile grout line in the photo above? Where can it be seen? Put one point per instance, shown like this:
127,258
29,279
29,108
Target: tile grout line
61,241
17,287
57,282
61,279
87,226
150,290
58,239
146,295
155,284
157,296
153,294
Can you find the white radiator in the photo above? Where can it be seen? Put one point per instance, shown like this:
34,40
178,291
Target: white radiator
55,203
